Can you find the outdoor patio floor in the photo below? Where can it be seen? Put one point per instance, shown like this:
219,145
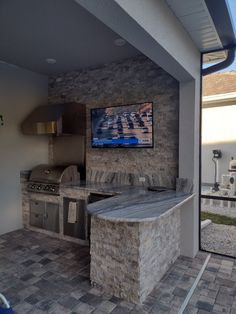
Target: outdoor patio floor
40,274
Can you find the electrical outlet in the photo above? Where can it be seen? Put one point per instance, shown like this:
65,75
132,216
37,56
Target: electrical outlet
142,179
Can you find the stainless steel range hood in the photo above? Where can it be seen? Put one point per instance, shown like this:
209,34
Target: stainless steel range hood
61,119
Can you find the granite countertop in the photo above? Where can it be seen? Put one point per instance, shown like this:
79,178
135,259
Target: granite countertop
131,203
103,188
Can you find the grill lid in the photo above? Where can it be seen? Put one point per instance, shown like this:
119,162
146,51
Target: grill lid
54,174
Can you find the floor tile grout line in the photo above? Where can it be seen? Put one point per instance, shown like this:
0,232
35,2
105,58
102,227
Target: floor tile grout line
191,291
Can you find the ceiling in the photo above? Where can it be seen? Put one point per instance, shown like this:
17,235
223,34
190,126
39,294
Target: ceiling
33,30
195,18
209,25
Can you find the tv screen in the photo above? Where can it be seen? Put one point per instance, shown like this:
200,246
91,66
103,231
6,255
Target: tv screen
123,126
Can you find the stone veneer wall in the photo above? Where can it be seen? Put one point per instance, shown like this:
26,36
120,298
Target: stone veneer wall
114,249
127,82
159,248
129,258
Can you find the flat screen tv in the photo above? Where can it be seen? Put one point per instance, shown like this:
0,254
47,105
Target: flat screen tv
123,126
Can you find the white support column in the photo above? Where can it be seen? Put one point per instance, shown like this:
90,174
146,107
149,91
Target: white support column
189,162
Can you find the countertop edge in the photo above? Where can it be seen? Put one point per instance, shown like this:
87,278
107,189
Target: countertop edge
148,219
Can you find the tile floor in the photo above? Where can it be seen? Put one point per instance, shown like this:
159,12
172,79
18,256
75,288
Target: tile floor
39,274
216,291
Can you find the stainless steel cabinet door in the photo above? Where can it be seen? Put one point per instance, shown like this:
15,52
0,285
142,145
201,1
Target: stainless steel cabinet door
37,210
51,217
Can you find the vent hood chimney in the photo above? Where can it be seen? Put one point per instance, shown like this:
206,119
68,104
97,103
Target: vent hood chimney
61,119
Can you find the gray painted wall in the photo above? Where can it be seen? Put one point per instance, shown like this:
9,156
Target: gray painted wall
129,81
20,91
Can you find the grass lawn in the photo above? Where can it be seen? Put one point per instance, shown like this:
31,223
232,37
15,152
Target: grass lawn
218,219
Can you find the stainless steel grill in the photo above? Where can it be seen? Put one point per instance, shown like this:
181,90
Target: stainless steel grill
47,178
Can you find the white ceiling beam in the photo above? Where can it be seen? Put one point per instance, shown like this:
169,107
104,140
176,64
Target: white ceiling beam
152,28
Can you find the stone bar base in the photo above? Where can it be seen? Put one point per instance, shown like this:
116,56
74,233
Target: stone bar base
129,258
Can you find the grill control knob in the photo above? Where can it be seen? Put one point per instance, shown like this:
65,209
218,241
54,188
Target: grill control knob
39,187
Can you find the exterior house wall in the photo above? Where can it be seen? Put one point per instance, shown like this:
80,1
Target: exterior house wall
208,168
218,132
129,81
20,91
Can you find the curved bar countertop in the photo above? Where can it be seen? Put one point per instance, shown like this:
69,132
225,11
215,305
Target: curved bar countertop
138,205
132,203
135,236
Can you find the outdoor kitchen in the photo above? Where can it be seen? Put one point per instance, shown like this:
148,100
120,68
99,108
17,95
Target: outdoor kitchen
130,219
100,109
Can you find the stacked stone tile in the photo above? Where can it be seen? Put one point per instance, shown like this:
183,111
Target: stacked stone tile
129,258
127,82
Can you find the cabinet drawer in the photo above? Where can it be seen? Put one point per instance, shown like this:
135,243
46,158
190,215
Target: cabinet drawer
36,220
37,207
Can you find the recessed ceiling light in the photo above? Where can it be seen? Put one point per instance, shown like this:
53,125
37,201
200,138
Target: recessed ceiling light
51,61
119,42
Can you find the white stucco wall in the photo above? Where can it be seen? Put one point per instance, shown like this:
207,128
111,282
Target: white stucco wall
20,91
218,132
